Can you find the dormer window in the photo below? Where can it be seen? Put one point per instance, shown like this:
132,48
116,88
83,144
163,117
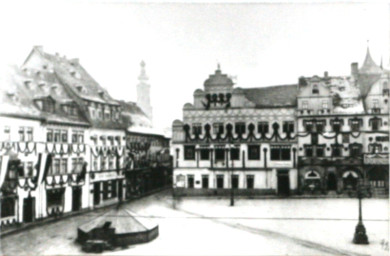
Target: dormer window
101,94
79,88
385,88
46,104
27,83
315,89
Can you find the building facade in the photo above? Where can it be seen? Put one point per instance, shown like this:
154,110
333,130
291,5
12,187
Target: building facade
320,135
237,138
64,144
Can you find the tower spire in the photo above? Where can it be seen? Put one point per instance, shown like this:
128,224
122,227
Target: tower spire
143,75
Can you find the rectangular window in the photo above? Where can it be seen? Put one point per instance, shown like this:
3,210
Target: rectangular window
288,127
235,180
29,169
74,165
308,151
320,151
110,163
336,127
57,136
80,164
220,181
205,181
81,137
204,154
189,152
190,181
65,136
7,133
308,126
375,124
336,151
219,154
304,104
345,138
262,127
102,163
355,150
253,152
320,126
218,128
240,128
56,166
21,134
280,153
74,137
197,129
250,181
325,104
29,134
355,125
64,166
235,154
49,135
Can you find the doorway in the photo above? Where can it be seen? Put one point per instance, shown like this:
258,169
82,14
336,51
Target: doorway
332,181
76,198
28,209
283,183
96,193
120,190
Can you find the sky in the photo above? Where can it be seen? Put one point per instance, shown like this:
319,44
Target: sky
261,44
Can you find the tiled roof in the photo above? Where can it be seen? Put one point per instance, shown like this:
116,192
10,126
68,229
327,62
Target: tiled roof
71,72
20,89
133,115
273,96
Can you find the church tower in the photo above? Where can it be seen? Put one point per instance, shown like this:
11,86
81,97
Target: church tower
143,93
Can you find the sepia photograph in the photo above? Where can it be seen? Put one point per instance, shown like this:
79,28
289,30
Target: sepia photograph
202,127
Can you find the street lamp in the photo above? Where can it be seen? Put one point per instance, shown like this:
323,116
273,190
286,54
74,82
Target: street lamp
360,236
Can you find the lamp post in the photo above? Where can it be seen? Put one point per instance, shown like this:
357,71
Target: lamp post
360,236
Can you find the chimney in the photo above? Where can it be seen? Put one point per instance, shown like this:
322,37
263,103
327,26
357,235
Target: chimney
326,74
354,70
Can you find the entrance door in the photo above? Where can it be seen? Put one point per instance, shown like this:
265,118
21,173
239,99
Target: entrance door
283,183
76,198
96,193
28,209
120,190
332,181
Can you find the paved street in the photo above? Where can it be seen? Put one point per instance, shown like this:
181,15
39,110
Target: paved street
206,226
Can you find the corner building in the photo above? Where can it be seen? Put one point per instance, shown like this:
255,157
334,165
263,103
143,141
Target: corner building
237,138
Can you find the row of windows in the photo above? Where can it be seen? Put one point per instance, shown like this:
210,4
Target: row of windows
278,153
354,150
250,181
25,134
62,136
106,163
336,124
241,127
104,140
60,166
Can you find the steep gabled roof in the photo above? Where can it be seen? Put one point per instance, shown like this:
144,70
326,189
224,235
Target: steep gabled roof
273,96
366,81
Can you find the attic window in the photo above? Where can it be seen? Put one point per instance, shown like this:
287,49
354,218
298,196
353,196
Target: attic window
41,84
27,83
44,66
101,94
315,89
79,88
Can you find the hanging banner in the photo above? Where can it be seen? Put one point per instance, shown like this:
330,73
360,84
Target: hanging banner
4,168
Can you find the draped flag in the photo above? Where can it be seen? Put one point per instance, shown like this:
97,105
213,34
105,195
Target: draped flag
3,168
37,167
45,166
